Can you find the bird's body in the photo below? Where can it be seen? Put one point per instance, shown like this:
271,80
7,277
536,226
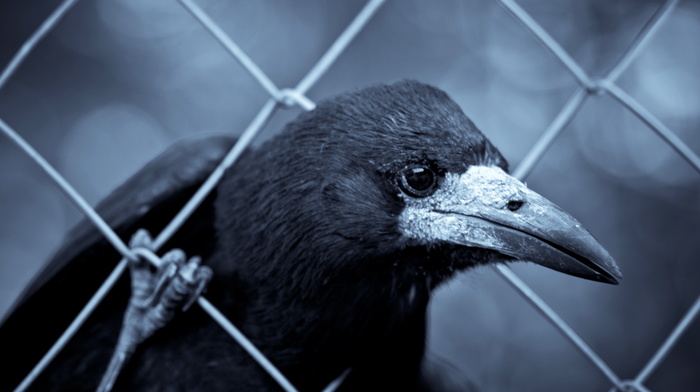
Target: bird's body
325,243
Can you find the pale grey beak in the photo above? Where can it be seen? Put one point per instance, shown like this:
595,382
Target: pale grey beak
487,208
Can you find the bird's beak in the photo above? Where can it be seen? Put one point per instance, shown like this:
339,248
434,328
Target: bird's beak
487,208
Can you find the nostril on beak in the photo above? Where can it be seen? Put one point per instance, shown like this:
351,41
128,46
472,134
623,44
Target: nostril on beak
514,205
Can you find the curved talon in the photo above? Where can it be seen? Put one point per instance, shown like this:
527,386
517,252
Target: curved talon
201,276
166,273
188,270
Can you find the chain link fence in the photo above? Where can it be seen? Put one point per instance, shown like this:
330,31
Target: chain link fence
588,86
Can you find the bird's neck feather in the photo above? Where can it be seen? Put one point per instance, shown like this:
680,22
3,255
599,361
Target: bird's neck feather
315,300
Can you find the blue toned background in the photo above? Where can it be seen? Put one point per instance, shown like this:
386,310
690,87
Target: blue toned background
118,80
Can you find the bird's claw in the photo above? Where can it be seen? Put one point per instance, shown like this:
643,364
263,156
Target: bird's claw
157,294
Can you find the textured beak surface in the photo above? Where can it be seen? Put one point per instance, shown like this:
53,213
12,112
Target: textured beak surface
487,208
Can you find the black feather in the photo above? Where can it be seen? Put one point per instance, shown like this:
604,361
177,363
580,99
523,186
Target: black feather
303,239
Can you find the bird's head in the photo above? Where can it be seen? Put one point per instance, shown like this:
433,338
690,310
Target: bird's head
340,227
398,174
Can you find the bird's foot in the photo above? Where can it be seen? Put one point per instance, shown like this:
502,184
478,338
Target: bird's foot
157,294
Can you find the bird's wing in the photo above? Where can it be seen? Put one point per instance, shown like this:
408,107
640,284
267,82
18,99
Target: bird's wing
149,199
179,170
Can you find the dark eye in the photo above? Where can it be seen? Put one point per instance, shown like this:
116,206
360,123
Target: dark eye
418,181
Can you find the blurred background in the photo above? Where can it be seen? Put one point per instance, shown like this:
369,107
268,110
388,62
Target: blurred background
119,80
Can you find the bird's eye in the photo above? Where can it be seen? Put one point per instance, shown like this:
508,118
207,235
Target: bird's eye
418,181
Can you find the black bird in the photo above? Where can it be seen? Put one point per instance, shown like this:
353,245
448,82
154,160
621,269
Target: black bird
325,244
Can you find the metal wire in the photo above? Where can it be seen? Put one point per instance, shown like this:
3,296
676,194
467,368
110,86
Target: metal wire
549,42
247,345
161,239
72,194
246,138
335,384
210,183
73,327
286,97
233,48
536,152
339,45
672,339
33,41
323,64
642,39
655,124
296,96
558,322
68,190
576,101
564,117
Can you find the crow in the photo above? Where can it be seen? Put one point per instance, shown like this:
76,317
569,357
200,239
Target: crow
324,246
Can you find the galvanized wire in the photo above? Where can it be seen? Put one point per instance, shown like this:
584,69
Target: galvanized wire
555,319
606,84
642,39
34,39
549,42
577,100
286,97
320,68
233,48
655,124
210,183
162,238
247,345
67,189
296,96
73,327
339,46
537,151
672,339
